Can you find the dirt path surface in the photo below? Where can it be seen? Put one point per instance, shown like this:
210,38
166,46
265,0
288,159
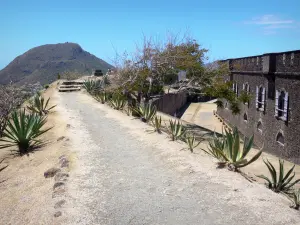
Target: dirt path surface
125,175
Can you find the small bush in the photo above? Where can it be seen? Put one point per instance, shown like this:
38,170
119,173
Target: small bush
93,86
156,122
22,131
117,101
244,97
146,112
282,182
176,129
295,199
191,142
102,97
228,150
39,106
46,86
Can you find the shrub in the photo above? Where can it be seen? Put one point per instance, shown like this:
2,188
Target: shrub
102,97
214,146
22,131
156,122
46,86
235,107
228,150
93,86
191,142
39,106
117,101
10,99
282,183
244,97
146,112
295,199
176,129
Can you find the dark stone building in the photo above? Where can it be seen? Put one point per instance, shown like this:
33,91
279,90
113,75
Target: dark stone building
273,113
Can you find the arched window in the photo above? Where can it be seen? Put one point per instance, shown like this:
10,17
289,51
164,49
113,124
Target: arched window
280,138
245,117
281,104
260,98
259,126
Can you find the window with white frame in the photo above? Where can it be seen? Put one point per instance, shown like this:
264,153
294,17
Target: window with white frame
246,87
235,87
281,104
260,98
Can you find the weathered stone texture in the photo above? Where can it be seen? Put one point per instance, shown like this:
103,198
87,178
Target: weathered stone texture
287,77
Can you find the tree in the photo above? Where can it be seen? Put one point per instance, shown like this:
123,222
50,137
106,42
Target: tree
10,99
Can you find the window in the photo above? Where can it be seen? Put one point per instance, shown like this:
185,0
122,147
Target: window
260,98
280,138
281,105
235,88
246,87
259,127
245,117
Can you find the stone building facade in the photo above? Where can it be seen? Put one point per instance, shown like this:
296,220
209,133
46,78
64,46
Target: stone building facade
273,113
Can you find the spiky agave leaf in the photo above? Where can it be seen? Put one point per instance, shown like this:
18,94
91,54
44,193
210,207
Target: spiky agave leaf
156,122
39,106
117,102
176,129
23,130
191,142
280,182
146,112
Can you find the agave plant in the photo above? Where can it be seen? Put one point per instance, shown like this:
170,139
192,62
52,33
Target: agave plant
117,102
229,152
284,182
102,97
191,142
39,106
146,112
93,86
176,129
295,199
156,122
214,147
22,131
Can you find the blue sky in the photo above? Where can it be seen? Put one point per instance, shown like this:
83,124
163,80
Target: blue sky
231,28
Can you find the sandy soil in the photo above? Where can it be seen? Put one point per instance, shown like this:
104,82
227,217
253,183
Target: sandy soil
127,175
26,196
121,173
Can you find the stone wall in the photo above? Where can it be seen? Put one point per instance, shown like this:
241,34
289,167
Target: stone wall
284,70
170,103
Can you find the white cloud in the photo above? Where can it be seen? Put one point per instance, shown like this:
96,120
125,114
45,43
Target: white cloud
270,24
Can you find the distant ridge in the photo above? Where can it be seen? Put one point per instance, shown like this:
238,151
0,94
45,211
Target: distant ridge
43,63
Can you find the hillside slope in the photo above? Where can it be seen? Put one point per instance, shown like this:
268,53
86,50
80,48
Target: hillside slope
43,63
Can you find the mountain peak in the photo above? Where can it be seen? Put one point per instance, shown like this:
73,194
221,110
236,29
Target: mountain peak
42,63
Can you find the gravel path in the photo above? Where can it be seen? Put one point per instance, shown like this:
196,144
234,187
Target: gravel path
124,175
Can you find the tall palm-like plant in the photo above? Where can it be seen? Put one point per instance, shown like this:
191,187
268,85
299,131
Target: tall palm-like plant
23,131
40,106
